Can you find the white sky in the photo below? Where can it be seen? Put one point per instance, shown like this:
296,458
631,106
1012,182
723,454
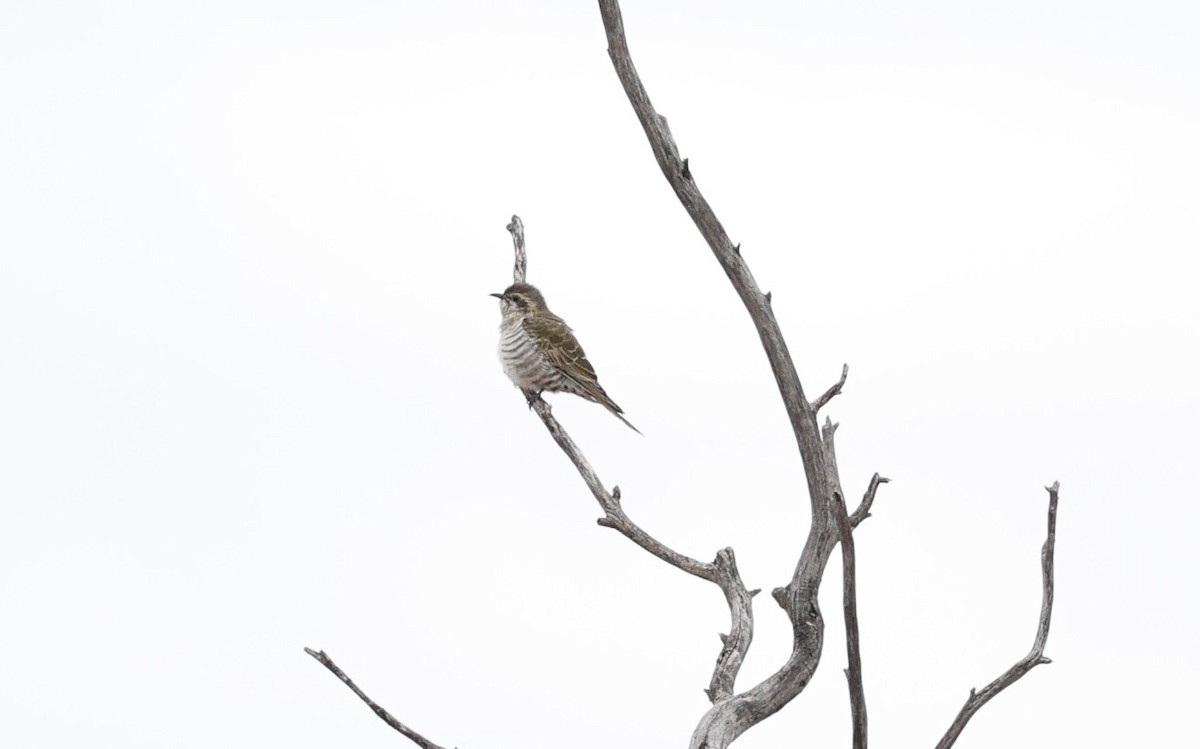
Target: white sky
249,400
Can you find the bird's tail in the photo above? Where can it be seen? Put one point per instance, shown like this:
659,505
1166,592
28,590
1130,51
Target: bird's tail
602,398
631,426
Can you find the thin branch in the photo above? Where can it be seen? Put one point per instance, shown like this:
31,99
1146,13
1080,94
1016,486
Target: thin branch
384,715
845,536
858,700
834,391
722,571
517,229
614,514
864,508
1036,655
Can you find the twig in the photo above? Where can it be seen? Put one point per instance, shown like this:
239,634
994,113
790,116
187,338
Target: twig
384,715
858,700
864,508
834,390
1035,657
517,230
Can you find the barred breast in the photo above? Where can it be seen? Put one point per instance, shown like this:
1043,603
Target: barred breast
525,364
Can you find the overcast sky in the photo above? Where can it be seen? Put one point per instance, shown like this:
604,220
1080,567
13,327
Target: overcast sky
250,402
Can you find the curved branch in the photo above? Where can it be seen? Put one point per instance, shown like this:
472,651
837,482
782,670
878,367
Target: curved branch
735,645
758,304
1036,655
384,715
610,502
722,571
729,718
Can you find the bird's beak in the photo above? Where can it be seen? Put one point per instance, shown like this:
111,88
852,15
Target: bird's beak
498,296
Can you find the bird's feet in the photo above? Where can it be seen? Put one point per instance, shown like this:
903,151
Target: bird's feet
530,396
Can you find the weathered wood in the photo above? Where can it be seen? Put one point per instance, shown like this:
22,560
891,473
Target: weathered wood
1036,656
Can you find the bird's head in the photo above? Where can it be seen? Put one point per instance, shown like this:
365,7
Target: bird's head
521,299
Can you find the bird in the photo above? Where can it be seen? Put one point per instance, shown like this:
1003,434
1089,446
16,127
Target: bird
539,350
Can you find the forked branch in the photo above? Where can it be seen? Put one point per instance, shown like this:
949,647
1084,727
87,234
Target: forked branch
1036,656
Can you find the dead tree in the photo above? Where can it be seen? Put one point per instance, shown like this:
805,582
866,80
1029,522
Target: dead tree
732,711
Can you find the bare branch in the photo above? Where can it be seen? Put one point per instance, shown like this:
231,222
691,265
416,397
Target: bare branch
799,410
729,718
858,700
737,643
834,391
614,514
722,571
1036,655
384,715
864,508
828,429
517,230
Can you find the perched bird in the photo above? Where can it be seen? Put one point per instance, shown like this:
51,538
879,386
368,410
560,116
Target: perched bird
539,351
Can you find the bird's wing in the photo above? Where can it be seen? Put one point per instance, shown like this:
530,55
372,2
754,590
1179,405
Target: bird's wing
560,346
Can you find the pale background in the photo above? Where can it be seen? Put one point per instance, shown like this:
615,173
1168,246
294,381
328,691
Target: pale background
249,400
